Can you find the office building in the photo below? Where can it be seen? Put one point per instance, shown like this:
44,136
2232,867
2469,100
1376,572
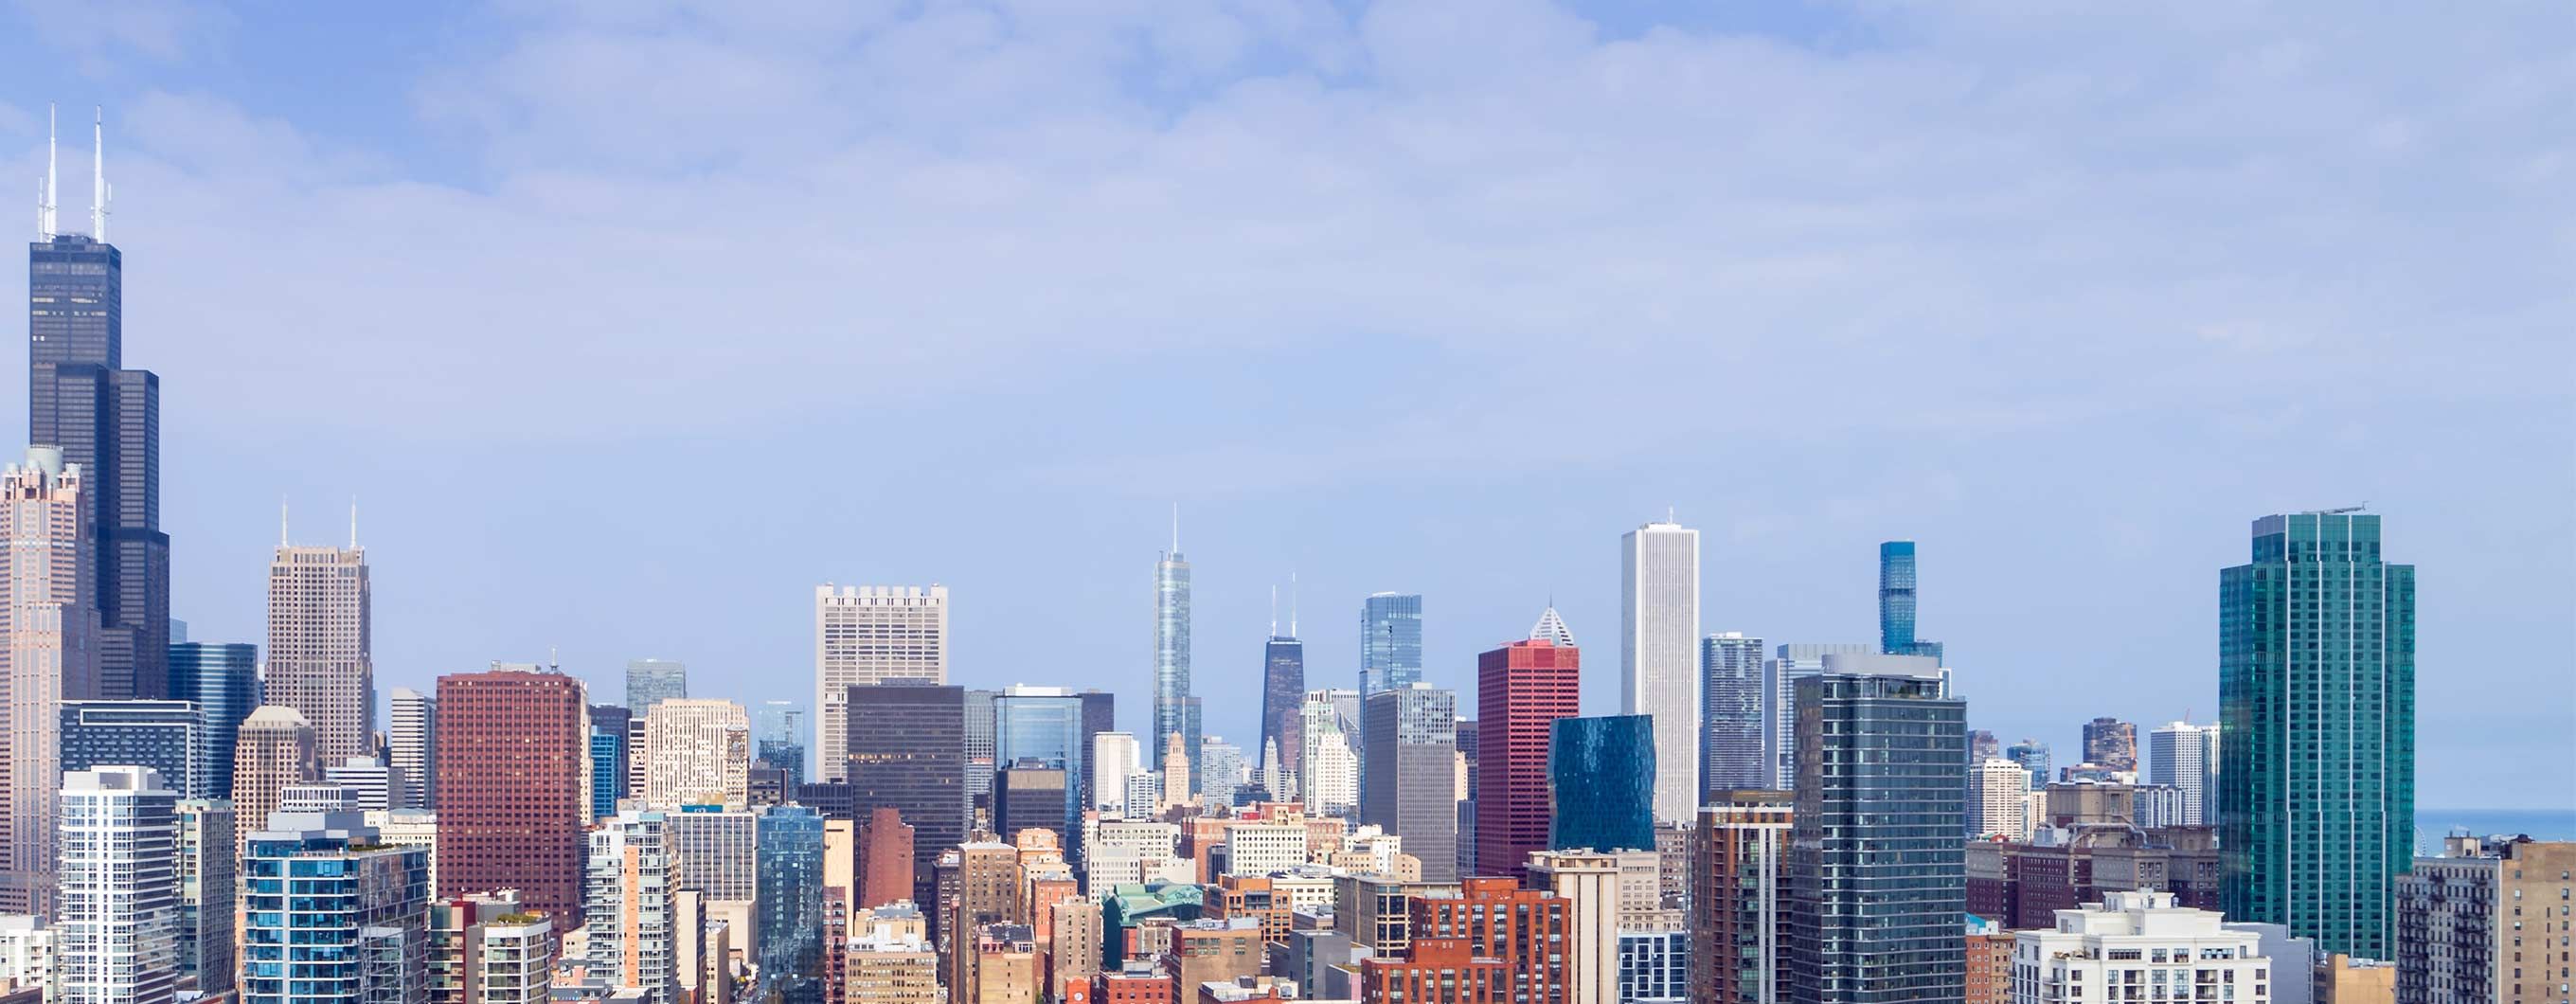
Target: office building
1789,664
167,736
1588,883
1601,792
891,959
208,864
320,649
1896,585
1411,786
411,743
1221,771
276,748
718,851
1283,699
608,765
2467,922
630,894
1043,727
696,752
2316,695
2139,946
2032,755
330,915
1176,709
223,680
2185,756
1997,790
1659,655
886,856
791,905
1876,875
117,930
511,806
1982,745
1330,768
1730,713
907,751
870,635
372,785
1030,794
1260,849
52,656
1522,689
1739,898
2112,743
1390,642
1115,757
780,738
488,950
652,681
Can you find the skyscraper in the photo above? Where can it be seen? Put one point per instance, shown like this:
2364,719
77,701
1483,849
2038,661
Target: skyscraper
208,863
653,681
320,645
2111,743
2185,756
332,915
276,748
51,657
1044,725
2316,697
779,738
1411,788
118,929
224,682
790,945
106,420
1175,709
1739,898
167,736
1522,689
869,635
1780,676
1600,782
410,743
907,751
885,867
696,752
1330,781
1099,715
1283,696
2033,756
1390,642
1997,791
631,886
1896,602
511,747
1730,713
1659,655
1877,874
1115,757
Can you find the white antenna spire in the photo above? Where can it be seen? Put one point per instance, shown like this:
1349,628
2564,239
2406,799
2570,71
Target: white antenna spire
1274,610
98,177
45,195
1176,529
1292,603
353,522
281,521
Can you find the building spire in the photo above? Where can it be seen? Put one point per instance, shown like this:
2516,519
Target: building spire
98,194
353,522
1292,603
45,195
1274,610
1176,530
1551,628
281,521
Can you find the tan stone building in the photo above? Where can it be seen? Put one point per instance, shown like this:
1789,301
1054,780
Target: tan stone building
318,659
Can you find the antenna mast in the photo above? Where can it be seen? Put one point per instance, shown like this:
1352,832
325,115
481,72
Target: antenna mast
45,195
98,177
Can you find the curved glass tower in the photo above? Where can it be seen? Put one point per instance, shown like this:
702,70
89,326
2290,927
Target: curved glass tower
1174,709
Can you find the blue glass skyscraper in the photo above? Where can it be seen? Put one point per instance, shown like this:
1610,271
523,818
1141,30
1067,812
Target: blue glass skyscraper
1730,714
1601,783
1896,602
1390,642
1044,725
607,768
779,737
790,863
1175,710
2032,755
224,681
167,736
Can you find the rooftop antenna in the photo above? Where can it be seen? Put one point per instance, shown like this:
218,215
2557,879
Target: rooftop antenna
353,522
1292,603
281,521
1274,610
1176,529
45,195
98,176
1668,513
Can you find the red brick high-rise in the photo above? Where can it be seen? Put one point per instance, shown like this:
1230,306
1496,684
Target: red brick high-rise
885,859
510,750
1521,690
1489,943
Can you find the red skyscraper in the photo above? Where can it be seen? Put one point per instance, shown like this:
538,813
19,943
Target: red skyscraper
1521,690
885,859
510,813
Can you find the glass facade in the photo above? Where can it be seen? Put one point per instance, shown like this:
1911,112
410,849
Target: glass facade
323,921
2316,695
1654,966
607,769
224,681
2032,755
791,905
907,752
1411,780
1044,726
163,735
652,681
1730,714
1878,879
1600,775
1896,602
778,736
1175,710
1283,701
1390,642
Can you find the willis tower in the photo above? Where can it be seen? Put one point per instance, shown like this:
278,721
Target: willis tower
107,419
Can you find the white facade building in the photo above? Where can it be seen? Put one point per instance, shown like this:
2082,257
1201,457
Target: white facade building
871,634
374,784
117,934
1256,849
2139,946
2186,756
697,752
1589,883
26,954
1331,782
1659,655
411,743
1998,792
1115,757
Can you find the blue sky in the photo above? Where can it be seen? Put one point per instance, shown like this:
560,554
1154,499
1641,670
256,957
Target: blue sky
628,323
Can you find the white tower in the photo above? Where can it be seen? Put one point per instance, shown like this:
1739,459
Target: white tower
1659,655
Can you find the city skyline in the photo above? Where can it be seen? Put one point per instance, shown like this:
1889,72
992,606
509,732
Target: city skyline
2129,459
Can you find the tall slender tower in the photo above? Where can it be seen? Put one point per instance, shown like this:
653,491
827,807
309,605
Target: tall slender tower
2316,704
106,420
2185,756
1896,602
1175,710
50,657
869,635
1659,656
119,923
320,659
1730,714
411,741
1283,693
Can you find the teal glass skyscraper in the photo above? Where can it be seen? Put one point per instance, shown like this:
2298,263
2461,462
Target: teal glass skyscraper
1175,710
1896,602
1390,642
2316,697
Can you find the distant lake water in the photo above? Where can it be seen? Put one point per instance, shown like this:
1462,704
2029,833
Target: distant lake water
2542,824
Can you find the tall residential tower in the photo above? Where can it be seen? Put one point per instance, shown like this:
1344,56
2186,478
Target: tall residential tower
1175,710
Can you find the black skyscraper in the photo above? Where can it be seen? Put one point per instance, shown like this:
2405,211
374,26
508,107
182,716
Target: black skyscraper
108,420
1283,703
907,750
